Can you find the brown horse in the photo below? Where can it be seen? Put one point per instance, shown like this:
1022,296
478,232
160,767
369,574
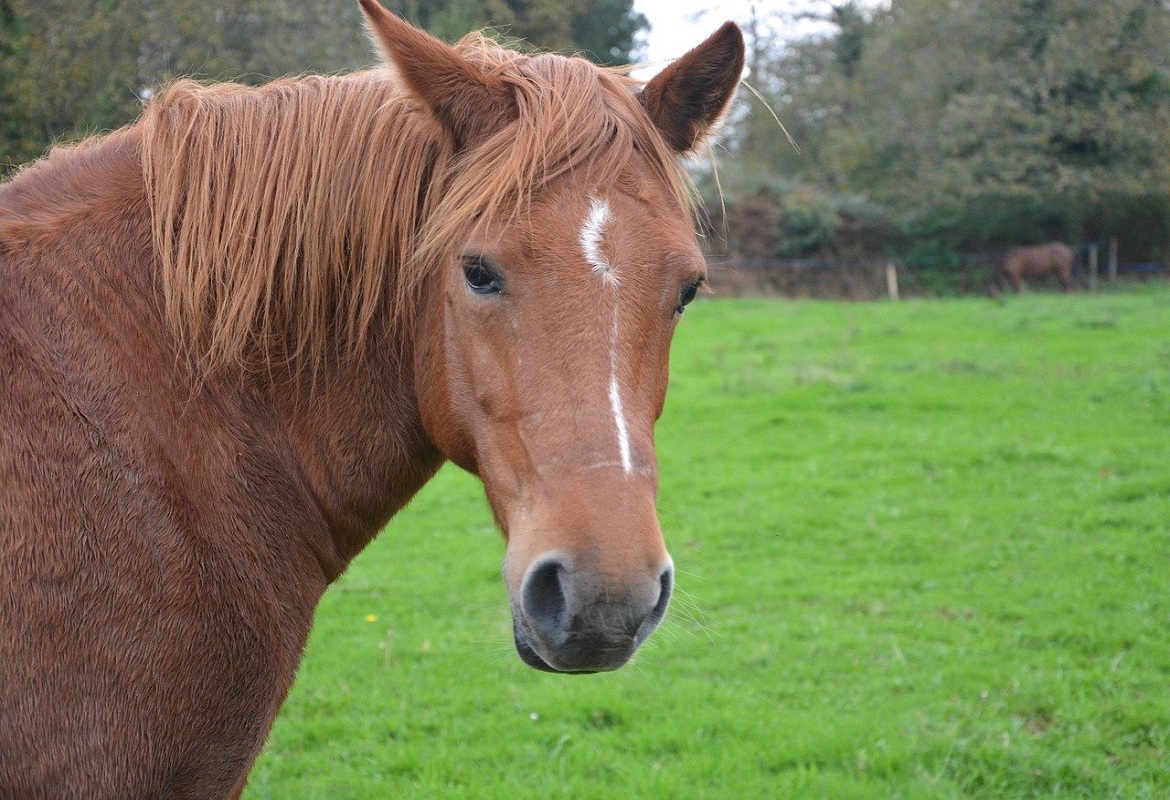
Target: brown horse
1037,262
237,336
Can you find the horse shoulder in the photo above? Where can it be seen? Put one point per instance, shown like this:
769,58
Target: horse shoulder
147,535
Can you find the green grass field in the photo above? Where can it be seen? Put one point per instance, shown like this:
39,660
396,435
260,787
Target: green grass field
923,552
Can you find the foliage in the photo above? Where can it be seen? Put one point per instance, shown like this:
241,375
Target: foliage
765,219
60,75
604,30
921,548
69,68
983,123
14,137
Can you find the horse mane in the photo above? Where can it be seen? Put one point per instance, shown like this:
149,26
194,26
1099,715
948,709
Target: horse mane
279,211
301,215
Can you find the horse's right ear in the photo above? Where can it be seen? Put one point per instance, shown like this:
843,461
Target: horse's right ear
469,104
690,96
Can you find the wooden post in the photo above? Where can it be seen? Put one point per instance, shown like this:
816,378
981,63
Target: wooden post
1093,267
892,280
1113,260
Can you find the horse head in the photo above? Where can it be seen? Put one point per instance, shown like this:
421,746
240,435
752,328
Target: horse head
563,255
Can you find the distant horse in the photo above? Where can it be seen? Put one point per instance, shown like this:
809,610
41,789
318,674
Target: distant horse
1037,262
238,335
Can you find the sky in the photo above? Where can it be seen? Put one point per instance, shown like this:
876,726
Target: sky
679,25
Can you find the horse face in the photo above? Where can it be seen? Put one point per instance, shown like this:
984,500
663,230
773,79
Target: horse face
555,334
541,362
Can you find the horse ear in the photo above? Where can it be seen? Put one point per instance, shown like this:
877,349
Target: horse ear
687,98
469,104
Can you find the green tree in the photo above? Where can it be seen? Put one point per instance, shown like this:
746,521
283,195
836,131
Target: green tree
71,67
248,40
977,124
604,30
14,146
1003,120
65,70
607,31
815,209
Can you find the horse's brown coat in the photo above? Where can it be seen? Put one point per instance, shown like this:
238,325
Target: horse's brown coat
235,338
1036,262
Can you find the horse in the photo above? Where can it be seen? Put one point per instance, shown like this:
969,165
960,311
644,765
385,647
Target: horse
239,334
1039,262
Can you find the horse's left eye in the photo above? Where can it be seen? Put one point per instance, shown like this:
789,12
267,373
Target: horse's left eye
481,278
686,296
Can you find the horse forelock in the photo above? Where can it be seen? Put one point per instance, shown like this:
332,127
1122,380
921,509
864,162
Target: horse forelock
295,216
573,118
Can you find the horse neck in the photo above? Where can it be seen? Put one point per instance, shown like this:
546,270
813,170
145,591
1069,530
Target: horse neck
90,189
358,444
344,439
338,453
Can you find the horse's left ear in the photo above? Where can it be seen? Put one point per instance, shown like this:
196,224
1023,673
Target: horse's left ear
687,98
469,103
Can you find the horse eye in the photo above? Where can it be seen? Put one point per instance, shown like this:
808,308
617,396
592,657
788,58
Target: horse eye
481,278
687,295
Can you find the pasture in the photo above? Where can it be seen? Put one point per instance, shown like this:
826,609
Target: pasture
923,552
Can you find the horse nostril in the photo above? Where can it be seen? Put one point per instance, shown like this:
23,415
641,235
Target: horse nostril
665,587
656,613
543,598
666,584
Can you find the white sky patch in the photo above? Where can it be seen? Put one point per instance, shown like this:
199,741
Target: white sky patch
592,230
678,25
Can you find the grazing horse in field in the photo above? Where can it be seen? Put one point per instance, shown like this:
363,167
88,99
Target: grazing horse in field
1037,262
238,335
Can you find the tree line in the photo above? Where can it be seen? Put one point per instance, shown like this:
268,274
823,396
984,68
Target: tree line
72,67
927,128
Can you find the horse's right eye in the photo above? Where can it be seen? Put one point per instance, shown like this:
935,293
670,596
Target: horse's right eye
481,278
687,295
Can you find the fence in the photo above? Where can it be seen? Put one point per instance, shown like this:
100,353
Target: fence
850,280
880,278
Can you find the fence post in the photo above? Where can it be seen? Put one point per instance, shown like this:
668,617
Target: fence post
892,280
1093,267
1112,260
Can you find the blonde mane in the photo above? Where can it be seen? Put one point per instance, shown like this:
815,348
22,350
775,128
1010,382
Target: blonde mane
297,216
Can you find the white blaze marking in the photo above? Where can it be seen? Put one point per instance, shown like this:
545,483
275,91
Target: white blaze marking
592,231
615,400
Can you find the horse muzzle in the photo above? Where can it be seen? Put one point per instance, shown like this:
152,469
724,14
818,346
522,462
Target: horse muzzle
572,619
